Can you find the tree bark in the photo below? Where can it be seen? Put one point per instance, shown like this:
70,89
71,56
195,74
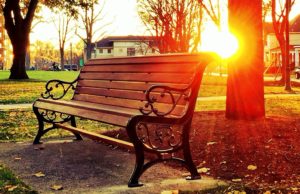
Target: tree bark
18,69
245,92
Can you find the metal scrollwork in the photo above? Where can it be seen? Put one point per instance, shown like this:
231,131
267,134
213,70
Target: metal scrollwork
159,137
167,92
61,86
54,117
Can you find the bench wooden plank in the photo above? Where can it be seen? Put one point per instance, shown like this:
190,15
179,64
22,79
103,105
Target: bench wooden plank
124,85
128,103
154,59
124,94
97,115
142,68
141,77
98,137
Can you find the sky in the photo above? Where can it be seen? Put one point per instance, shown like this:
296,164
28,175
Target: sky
122,16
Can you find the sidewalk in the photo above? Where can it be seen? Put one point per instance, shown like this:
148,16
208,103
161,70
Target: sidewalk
6,107
90,167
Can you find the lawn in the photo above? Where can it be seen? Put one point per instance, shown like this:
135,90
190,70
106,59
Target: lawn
43,76
26,91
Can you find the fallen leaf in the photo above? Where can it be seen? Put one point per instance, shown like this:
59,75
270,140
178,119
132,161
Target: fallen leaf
39,174
203,170
18,158
211,143
56,187
11,187
252,167
170,192
236,180
294,189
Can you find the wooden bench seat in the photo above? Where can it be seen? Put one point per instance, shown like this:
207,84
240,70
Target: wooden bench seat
152,97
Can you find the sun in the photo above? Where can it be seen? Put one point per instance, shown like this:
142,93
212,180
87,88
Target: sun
222,42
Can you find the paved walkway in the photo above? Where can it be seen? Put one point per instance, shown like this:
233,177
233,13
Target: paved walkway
15,106
5,107
90,167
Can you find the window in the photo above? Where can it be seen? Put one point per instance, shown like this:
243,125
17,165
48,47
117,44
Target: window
130,51
153,50
100,50
108,50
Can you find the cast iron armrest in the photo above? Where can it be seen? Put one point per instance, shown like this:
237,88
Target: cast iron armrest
167,91
62,86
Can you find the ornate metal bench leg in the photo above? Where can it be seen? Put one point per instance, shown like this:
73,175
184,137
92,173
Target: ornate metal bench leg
139,154
187,153
73,123
40,132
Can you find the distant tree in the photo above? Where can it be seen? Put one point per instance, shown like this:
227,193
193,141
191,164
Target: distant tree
279,19
90,14
245,91
267,8
62,25
213,10
18,16
174,23
44,53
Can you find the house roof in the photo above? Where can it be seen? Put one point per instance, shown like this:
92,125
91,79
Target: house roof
294,25
108,41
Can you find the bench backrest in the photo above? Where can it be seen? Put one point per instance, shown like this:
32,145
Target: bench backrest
123,81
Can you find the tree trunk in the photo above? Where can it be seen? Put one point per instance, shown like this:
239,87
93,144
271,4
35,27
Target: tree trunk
18,68
89,50
245,92
62,58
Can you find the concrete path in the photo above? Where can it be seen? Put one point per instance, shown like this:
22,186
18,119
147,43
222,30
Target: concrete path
90,167
6,107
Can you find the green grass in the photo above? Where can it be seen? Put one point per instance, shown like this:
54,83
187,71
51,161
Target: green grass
9,183
26,91
44,75
19,126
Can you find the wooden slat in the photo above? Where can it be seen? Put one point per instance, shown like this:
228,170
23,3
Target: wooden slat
142,77
106,108
127,103
110,118
140,68
124,85
98,137
203,57
123,94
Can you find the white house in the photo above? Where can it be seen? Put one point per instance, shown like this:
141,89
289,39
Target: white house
272,50
273,53
114,46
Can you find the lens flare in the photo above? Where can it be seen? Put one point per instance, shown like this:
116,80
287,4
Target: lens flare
224,43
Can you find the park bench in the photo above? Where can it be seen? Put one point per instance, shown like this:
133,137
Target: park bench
152,97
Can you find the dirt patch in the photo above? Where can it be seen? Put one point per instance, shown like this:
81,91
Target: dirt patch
262,154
